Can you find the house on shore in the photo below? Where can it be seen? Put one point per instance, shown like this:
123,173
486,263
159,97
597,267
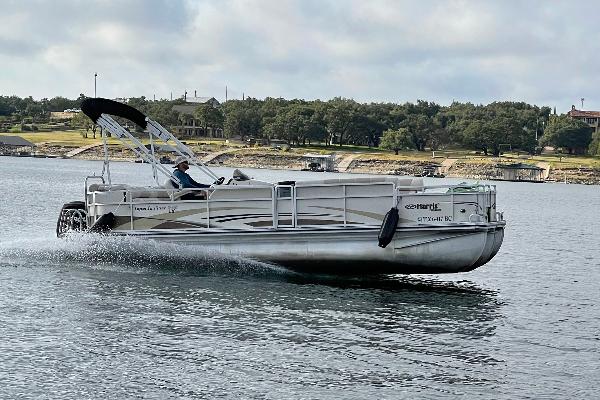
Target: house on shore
592,118
190,126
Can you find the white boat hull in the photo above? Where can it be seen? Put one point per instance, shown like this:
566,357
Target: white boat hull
416,250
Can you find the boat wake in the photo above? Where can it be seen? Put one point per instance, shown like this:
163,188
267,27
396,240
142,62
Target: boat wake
127,254
130,255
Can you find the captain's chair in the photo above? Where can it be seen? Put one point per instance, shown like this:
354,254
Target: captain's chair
169,184
184,194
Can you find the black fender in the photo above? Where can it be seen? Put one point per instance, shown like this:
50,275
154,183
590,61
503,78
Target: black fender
104,224
388,227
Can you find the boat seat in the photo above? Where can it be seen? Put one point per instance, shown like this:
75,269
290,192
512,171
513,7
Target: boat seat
149,193
178,194
100,187
168,184
137,192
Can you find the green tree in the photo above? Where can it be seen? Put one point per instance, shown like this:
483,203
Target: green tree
209,117
425,122
302,125
490,134
419,127
82,121
594,147
8,105
162,112
488,127
396,140
139,103
35,111
61,103
369,124
243,118
271,109
568,133
318,126
340,119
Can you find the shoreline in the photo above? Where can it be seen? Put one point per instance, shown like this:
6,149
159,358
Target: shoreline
364,163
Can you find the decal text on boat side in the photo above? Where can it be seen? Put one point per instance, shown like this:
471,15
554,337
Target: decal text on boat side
430,207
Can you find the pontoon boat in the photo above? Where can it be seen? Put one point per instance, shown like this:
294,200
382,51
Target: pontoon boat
362,225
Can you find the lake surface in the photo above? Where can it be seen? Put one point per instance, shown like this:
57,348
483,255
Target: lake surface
107,318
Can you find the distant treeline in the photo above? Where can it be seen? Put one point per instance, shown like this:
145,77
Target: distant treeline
423,125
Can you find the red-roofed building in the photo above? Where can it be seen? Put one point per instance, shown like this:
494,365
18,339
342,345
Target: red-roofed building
592,118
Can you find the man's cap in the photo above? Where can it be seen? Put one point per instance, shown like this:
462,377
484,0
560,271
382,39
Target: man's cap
180,160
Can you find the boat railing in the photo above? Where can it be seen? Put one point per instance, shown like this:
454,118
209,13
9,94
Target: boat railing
87,179
284,200
482,187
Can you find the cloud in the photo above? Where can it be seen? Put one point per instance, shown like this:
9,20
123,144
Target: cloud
478,51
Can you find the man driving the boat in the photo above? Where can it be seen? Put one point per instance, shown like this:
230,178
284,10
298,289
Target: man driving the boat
187,182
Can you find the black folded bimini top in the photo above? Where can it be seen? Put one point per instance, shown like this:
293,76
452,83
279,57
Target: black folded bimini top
95,107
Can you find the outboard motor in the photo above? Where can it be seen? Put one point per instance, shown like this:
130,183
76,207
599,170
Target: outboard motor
72,217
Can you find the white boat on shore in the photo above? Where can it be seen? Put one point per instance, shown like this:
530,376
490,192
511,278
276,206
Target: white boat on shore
327,225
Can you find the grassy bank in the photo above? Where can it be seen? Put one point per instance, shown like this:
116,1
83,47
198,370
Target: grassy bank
461,163
72,138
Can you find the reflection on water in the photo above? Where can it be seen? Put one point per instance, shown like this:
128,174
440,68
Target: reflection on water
370,330
126,306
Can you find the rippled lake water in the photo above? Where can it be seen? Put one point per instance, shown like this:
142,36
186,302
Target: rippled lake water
91,317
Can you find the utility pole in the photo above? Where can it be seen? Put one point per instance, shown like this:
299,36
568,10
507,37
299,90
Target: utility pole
582,99
95,75
226,93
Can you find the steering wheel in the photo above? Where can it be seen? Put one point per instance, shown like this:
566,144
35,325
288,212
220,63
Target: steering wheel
219,181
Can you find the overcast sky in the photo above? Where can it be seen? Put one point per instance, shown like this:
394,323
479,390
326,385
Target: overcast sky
540,52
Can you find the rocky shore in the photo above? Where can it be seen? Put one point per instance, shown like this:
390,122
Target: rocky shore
250,159
367,163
